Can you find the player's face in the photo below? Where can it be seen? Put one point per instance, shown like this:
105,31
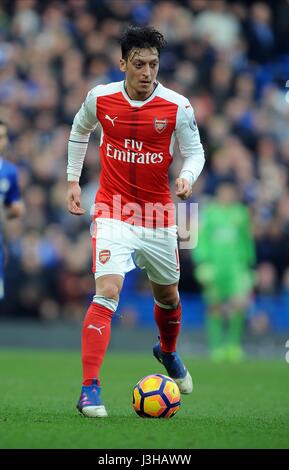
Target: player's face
3,137
227,194
141,69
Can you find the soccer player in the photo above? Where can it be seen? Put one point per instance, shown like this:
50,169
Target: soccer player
11,205
225,256
139,120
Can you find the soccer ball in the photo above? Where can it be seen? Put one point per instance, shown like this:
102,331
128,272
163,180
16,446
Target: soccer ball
156,396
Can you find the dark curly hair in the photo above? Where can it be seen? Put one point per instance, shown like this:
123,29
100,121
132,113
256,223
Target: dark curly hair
141,37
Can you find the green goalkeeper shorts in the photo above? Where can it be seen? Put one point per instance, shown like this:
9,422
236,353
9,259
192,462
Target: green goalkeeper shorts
221,285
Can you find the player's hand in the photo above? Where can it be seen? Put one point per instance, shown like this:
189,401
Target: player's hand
183,188
73,198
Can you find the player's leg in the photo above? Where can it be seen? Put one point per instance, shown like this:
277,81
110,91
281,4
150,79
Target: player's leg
168,313
241,285
111,261
215,332
95,340
97,325
214,289
235,329
159,257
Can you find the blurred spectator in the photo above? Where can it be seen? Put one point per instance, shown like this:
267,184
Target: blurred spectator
263,309
266,279
259,33
217,25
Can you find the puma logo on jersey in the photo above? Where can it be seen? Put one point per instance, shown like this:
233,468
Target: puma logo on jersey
110,119
92,327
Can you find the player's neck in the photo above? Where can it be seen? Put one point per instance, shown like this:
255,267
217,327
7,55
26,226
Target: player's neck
133,94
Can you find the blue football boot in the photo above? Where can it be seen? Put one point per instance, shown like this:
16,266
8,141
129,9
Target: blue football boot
175,368
90,402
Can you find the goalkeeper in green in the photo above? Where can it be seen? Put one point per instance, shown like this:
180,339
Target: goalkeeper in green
224,258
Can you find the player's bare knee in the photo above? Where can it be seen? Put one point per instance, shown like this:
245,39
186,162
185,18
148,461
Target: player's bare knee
109,290
167,295
109,286
169,300
239,304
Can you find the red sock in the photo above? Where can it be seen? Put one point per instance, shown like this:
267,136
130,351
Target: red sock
95,339
169,324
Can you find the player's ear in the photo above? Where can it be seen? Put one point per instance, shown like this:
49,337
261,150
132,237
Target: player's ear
122,65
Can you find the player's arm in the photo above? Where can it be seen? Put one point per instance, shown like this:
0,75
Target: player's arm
84,123
14,206
191,149
247,244
15,210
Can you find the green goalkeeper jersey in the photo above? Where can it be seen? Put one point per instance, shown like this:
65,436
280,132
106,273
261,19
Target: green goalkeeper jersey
225,252
225,236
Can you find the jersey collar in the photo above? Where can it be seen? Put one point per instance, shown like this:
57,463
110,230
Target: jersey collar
136,102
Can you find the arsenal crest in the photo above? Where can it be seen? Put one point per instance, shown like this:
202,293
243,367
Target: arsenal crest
104,256
160,125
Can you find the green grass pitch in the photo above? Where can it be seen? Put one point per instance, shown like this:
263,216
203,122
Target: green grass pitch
232,406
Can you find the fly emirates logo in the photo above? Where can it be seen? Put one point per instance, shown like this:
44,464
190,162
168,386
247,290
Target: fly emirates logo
133,153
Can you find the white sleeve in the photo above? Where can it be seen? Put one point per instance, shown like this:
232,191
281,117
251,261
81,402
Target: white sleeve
191,149
85,121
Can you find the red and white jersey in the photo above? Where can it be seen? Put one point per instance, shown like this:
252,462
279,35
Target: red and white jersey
136,150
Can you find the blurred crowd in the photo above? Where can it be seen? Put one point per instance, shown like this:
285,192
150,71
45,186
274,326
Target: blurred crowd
231,59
